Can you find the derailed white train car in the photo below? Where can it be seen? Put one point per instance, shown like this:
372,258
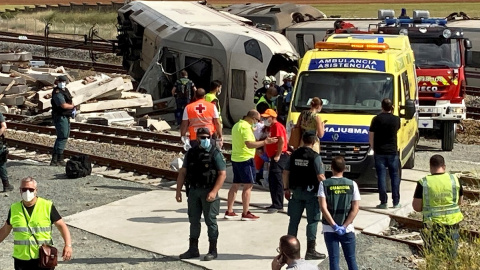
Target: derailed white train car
159,39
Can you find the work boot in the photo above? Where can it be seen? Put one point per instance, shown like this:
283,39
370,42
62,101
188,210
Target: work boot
312,254
7,186
212,251
192,251
54,161
61,161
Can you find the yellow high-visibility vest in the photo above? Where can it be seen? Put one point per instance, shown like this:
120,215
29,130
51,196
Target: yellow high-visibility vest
440,199
24,245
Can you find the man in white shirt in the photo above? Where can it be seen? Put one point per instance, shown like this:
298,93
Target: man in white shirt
339,200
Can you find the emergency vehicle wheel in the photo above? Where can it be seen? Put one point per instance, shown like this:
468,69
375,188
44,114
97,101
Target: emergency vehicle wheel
448,135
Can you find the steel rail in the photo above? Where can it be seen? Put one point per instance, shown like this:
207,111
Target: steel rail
473,112
472,74
96,137
409,223
85,65
144,135
98,160
473,91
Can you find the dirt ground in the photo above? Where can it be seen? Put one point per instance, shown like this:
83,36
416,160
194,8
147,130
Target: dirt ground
311,2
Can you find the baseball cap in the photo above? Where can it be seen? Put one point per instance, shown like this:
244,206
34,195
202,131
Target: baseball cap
203,130
310,133
269,113
62,78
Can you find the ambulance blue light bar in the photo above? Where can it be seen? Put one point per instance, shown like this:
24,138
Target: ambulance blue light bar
433,21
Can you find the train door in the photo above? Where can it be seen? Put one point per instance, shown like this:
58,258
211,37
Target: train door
247,67
199,71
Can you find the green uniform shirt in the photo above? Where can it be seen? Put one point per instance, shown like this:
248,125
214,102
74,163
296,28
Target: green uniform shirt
242,132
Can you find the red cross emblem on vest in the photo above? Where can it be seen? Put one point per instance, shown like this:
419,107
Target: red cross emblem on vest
200,108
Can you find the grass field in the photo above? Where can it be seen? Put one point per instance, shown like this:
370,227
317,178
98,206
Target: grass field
361,10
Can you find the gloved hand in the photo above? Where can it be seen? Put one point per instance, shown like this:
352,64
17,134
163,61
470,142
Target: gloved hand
340,230
288,194
74,112
186,143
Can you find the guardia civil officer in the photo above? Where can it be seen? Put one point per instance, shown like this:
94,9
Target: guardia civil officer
62,110
203,173
301,179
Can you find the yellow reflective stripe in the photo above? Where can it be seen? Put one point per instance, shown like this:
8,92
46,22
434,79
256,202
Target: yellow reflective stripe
454,187
20,229
34,229
31,242
426,199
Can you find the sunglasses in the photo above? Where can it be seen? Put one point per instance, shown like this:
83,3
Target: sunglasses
25,189
204,137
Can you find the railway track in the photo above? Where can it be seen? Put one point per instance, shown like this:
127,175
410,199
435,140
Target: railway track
410,224
85,44
157,141
473,112
85,65
15,145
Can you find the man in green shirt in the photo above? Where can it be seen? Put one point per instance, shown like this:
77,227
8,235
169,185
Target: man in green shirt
243,151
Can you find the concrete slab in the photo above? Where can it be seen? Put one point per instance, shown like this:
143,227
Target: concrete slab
155,221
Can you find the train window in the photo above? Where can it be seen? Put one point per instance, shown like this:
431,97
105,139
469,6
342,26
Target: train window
252,48
238,84
199,37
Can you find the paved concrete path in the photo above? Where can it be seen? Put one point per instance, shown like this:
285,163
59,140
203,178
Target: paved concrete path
154,221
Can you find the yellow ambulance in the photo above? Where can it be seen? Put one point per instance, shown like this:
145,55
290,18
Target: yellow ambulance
352,74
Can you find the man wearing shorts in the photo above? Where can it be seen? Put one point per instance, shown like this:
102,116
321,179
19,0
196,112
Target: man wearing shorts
243,151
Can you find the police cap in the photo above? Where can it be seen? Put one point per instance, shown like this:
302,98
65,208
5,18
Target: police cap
62,78
203,131
310,133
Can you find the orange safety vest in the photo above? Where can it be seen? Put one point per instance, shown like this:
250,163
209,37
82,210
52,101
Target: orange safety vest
200,114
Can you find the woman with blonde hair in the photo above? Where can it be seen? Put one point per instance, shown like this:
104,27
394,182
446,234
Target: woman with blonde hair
309,120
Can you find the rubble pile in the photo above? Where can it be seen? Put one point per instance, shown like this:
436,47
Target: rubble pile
26,88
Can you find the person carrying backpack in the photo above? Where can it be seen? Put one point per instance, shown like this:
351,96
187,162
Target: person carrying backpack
183,91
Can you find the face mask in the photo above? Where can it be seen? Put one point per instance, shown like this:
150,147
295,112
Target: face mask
28,196
62,85
219,92
266,85
205,143
289,84
254,126
268,122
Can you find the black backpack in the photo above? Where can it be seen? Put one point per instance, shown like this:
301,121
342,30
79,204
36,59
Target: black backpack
78,166
184,88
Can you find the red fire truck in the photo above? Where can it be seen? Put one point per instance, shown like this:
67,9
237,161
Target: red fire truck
441,54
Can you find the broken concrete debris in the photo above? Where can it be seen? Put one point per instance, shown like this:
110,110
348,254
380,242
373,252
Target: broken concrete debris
26,86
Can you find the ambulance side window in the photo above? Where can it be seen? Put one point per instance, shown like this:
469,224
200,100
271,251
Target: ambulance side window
400,93
406,85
